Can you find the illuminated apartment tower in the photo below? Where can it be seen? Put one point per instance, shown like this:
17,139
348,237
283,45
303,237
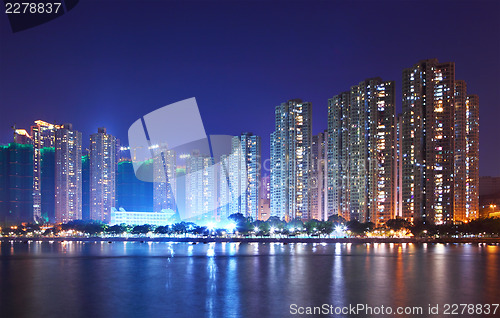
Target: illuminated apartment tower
85,187
291,160
243,167
22,137
43,136
466,195
264,198
164,176
318,180
16,184
338,148
398,166
201,187
103,160
440,143
47,179
360,152
68,179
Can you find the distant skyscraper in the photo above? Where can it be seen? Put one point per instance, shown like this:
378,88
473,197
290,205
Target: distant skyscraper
264,198
360,152
21,136
318,180
102,155
466,189
440,144
164,176
47,179
201,187
16,183
240,175
291,160
86,187
398,166
68,152
132,194
43,135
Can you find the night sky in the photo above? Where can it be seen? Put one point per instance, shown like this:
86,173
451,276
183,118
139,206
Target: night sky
107,63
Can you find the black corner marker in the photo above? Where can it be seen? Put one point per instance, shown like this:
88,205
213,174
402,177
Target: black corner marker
70,4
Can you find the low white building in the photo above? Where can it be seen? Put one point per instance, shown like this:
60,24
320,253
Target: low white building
139,218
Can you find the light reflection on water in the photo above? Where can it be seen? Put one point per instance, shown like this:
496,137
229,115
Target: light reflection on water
132,279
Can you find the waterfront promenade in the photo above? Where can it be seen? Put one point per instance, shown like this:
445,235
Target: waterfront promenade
284,240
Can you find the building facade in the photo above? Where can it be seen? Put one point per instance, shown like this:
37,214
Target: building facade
164,176
361,152
240,173
201,187
16,183
161,218
102,168
68,174
398,166
132,194
264,198
43,135
291,160
319,177
86,187
440,145
47,179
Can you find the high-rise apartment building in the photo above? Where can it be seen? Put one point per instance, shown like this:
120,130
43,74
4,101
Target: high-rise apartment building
319,177
132,194
102,163
239,177
201,187
291,160
16,183
86,187
361,152
47,179
164,177
264,198
21,136
398,166
440,144
43,136
466,188
68,178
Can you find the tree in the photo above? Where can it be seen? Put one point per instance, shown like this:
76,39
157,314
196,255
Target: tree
296,224
326,227
398,224
116,229
336,219
423,228
264,227
237,218
179,228
359,228
141,229
162,229
311,226
199,230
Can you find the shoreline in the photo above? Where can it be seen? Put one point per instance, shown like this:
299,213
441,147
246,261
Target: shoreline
352,240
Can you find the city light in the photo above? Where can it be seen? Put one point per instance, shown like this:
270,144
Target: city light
231,227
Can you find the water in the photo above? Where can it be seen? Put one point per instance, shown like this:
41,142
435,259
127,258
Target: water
94,279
